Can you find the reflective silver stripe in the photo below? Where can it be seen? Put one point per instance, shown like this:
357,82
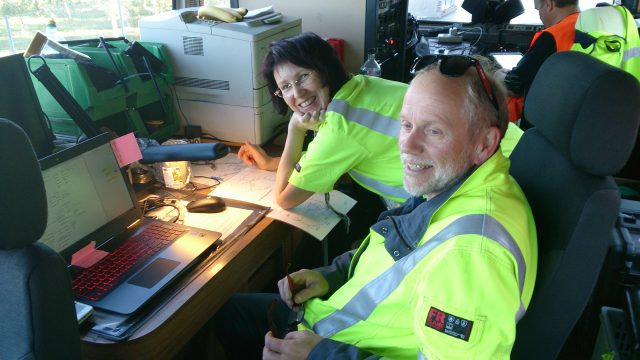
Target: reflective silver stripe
421,356
398,192
367,299
370,119
630,54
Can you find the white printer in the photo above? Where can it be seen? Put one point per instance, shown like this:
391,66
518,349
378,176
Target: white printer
217,72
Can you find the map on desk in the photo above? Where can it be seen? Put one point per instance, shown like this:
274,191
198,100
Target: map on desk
313,216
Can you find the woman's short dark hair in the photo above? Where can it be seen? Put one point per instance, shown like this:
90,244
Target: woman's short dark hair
308,51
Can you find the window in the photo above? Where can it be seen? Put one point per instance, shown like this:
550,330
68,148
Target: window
76,19
451,10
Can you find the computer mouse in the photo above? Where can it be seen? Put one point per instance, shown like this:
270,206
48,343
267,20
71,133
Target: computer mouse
210,204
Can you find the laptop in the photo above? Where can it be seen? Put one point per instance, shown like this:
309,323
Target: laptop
94,216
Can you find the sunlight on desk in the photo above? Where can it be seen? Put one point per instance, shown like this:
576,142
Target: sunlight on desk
224,222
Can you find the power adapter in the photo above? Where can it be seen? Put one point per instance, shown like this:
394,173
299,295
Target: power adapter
192,131
453,37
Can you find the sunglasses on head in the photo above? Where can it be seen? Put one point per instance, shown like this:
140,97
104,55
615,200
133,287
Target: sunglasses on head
454,66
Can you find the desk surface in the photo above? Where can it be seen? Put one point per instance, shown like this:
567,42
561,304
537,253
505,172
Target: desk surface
170,326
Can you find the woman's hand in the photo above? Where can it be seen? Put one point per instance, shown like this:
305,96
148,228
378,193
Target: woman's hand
254,155
306,121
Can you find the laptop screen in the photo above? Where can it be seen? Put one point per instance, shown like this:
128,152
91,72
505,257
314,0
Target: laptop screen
88,196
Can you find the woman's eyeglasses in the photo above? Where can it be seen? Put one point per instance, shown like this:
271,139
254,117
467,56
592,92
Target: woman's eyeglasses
287,89
454,66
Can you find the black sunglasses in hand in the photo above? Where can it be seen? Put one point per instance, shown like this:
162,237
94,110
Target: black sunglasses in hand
299,315
454,66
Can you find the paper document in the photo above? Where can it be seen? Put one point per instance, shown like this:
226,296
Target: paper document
252,14
312,216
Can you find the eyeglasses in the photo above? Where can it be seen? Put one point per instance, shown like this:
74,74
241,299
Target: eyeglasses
299,315
454,66
287,89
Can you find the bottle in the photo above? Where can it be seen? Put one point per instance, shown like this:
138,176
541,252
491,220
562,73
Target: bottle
51,31
371,66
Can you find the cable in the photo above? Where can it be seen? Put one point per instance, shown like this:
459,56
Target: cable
479,36
218,180
174,94
155,202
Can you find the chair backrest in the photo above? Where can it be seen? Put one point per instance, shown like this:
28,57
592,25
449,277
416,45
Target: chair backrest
584,130
38,319
605,19
609,33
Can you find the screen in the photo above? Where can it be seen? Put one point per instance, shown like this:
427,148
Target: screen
85,192
19,103
507,60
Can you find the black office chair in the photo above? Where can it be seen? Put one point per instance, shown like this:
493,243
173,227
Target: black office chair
586,115
37,314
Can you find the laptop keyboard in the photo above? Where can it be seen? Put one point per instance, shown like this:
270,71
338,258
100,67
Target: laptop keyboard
97,280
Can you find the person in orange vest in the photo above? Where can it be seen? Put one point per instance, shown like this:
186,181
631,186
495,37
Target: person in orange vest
559,19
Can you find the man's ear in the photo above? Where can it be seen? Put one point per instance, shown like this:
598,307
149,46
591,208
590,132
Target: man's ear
549,4
487,144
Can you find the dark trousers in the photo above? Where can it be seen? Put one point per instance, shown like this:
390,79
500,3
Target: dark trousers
241,324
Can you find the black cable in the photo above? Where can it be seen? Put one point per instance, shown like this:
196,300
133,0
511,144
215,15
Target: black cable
153,203
113,62
163,104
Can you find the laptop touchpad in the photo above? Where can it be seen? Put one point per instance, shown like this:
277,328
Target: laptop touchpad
154,272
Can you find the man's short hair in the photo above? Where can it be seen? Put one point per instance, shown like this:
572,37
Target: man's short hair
478,108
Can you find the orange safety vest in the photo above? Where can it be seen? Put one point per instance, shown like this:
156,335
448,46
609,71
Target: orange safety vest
564,34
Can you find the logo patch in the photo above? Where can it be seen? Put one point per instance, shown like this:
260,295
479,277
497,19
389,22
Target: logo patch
297,167
449,324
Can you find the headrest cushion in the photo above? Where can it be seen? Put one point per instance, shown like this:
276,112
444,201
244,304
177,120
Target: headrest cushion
22,193
587,109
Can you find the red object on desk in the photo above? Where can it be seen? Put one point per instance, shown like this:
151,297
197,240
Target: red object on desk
338,45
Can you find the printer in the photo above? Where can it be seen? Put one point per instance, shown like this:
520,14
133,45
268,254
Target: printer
217,71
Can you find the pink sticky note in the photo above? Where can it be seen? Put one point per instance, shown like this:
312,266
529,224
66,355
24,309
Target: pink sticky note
87,256
126,149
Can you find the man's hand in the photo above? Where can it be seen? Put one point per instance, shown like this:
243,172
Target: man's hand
306,121
308,284
296,345
254,155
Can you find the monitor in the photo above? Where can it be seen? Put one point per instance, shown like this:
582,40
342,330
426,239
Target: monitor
19,103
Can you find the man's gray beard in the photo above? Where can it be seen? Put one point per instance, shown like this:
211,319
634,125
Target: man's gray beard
442,180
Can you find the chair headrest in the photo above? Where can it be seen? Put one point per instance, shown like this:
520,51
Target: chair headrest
22,193
587,109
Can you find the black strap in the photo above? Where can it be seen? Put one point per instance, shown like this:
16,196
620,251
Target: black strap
64,98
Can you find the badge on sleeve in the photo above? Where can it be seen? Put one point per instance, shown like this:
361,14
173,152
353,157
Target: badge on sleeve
297,167
449,324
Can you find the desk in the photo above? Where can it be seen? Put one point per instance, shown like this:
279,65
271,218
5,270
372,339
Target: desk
266,247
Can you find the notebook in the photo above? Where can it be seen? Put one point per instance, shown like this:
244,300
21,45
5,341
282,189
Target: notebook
92,204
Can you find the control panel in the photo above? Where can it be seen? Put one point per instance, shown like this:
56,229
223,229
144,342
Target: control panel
385,28
386,21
